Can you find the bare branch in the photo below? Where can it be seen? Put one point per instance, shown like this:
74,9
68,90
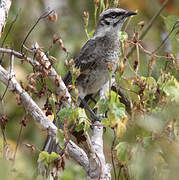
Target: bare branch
78,154
149,25
17,143
9,29
176,25
30,106
44,15
12,67
99,169
61,89
156,56
146,29
4,9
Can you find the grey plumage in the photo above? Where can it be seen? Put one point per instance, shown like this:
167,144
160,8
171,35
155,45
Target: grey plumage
93,59
102,48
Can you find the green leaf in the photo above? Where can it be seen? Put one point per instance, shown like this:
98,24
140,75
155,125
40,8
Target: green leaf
116,112
150,81
60,138
150,89
170,86
102,106
118,109
83,122
101,5
122,152
53,156
114,97
91,33
105,121
48,159
123,36
43,156
170,22
79,127
65,113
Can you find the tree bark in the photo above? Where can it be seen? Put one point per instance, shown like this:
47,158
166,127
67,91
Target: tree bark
4,9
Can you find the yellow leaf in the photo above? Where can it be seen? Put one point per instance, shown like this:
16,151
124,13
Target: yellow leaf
120,129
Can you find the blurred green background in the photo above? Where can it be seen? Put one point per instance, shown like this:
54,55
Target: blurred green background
70,27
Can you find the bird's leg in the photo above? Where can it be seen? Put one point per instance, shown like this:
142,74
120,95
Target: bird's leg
92,114
92,99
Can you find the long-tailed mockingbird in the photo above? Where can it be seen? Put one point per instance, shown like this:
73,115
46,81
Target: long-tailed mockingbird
94,58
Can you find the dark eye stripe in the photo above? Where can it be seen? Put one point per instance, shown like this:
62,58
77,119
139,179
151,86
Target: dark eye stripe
104,21
113,14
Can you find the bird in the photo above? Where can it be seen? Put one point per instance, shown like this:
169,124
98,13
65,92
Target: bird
95,56
99,52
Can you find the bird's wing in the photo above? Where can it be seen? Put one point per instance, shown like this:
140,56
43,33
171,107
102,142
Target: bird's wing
86,59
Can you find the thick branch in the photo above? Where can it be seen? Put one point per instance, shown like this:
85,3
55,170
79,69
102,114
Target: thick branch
4,9
99,169
31,107
78,154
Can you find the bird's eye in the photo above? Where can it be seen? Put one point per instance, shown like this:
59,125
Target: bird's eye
113,16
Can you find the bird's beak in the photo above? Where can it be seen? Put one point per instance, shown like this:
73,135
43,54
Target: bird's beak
130,13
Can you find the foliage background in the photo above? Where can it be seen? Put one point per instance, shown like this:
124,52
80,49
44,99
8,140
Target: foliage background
70,27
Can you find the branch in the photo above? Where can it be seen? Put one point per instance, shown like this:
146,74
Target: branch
149,25
156,56
61,89
78,154
37,114
43,16
99,169
4,9
30,106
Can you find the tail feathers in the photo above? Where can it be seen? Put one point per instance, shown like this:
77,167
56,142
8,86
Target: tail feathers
51,145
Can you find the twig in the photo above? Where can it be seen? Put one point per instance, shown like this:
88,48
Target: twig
173,28
17,142
119,173
2,123
156,56
9,29
112,156
137,61
146,29
11,74
149,25
44,15
61,89
11,71
5,37
128,22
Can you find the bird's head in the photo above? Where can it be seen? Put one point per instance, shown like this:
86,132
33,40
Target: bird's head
111,20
